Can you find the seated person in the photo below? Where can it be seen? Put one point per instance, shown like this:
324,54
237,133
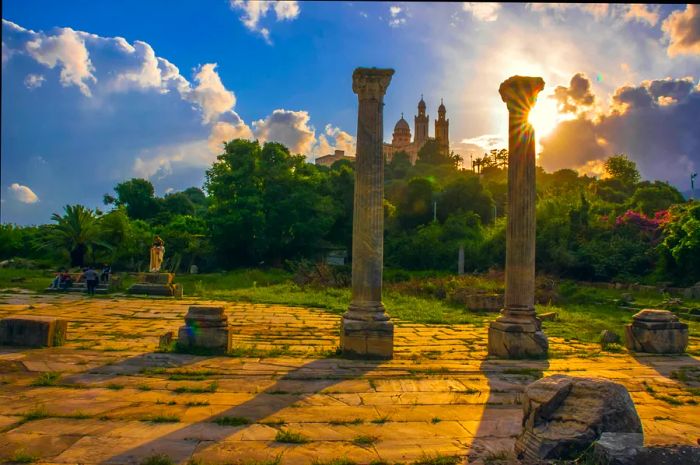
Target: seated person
57,280
66,280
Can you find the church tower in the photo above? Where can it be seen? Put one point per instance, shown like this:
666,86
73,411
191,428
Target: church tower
421,122
442,130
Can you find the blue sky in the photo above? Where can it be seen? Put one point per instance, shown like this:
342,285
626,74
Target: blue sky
95,93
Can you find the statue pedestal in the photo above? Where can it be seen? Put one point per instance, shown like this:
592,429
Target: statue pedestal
367,339
160,284
517,340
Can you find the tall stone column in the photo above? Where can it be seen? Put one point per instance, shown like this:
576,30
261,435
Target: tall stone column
365,329
517,333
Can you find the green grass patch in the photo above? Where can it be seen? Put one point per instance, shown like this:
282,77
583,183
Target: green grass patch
36,414
197,403
115,386
211,387
381,420
162,419
290,437
356,421
157,459
340,461
21,456
365,440
435,420
49,378
231,421
438,459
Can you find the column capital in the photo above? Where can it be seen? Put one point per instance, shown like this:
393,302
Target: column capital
520,92
371,83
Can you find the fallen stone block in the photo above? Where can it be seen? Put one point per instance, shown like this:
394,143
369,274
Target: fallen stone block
618,448
657,332
564,415
609,337
33,331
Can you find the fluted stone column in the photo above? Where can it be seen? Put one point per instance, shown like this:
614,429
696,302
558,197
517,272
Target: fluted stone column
517,333
365,329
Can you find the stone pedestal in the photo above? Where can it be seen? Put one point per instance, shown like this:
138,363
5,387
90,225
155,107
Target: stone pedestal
518,332
657,332
156,284
33,331
205,328
365,328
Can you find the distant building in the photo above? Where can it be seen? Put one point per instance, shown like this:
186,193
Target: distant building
328,160
401,138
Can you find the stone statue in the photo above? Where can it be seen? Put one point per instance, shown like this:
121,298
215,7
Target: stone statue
157,253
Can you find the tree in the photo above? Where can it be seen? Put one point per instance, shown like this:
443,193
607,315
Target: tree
430,154
465,194
621,168
652,197
416,206
76,231
137,195
399,166
266,204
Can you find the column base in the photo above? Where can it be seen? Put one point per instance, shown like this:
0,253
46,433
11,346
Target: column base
367,339
517,340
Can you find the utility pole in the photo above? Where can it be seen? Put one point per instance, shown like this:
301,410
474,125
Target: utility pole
435,211
692,185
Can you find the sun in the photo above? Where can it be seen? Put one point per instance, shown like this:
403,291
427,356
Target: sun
544,116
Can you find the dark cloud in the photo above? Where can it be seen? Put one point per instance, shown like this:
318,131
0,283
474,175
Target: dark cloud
660,135
578,94
632,97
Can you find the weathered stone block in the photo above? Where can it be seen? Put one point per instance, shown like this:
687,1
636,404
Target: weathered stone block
33,331
166,290
563,416
211,338
482,302
618,448
656,331
206,327
367,339
508,340
156,278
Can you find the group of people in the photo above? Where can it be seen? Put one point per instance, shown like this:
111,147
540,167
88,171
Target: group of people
92,278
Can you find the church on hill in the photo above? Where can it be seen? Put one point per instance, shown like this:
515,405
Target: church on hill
401,138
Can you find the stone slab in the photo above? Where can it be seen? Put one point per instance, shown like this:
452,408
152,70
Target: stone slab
33,331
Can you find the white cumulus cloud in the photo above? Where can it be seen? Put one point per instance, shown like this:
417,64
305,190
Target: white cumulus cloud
33,81
483,11
255,10
287,127
643,13
210,94
23,193
67,49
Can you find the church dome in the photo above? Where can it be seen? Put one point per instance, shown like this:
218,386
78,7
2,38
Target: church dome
401,125
421,104
441,108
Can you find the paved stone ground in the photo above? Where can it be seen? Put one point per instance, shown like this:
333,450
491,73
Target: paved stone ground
117,400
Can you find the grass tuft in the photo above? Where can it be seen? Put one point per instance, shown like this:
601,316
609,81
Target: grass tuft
365,440
162,419
157,459
231,421
290,437
50,378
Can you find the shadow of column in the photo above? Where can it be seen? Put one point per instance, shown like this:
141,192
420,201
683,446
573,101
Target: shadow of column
500,421
261,406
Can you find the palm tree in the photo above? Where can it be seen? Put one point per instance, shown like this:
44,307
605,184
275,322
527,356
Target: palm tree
76,231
